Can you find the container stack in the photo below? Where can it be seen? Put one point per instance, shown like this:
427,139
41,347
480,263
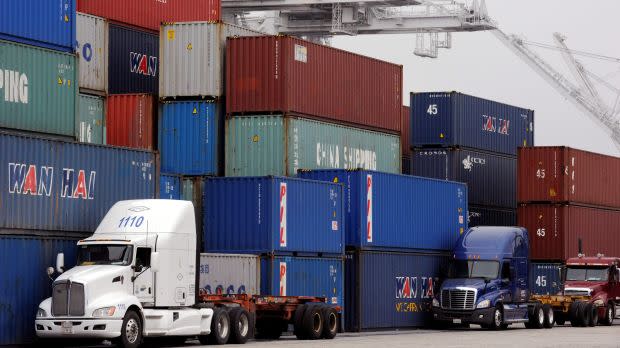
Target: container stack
472,140
399,231
570,204
405,140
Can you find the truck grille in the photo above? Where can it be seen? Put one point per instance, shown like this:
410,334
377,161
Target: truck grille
68,299
458,299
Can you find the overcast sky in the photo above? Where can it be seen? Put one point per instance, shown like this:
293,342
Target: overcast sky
481,65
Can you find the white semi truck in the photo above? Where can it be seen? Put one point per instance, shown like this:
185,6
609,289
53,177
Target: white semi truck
136,277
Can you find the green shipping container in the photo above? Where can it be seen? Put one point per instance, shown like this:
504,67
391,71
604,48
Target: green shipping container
277,145
90,119
37,89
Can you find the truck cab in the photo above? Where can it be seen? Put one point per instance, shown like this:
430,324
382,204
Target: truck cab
135,277
488,281
597,278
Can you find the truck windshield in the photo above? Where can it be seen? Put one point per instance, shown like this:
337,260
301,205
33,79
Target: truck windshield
103,254
474,269
587,273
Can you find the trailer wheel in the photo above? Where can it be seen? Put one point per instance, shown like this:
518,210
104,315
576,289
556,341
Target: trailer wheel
573,314
313,322
298,324
536,316
549,316
220,327
584,314
610,314
242,326
330,320
593,310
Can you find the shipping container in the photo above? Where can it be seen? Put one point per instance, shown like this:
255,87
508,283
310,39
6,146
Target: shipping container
405,127
92,48
229,274
303,276
150,14
259,215
391,289
63,186
133,61
90,119
562,174
191,137
277,145
288,75
44,23
129,121
399,212
546,278
192,189
25,282
491,178
39,88
169,186
193,55
555,230
456,119
491,216
406,165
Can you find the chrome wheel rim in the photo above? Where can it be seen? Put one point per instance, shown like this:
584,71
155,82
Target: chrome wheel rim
316,322
222,327
332,322
244,325
541,316
498,318
550,316
132,330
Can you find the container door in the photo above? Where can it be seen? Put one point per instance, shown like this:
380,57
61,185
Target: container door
143,287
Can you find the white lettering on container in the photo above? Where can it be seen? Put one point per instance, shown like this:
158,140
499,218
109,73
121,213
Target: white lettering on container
15,85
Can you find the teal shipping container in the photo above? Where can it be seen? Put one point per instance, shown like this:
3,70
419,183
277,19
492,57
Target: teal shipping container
90,119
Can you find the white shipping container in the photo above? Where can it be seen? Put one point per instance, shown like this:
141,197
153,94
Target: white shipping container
192,58
92,47
229,274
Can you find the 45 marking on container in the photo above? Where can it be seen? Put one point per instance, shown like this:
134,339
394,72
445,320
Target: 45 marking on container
283,211
282,278
369,209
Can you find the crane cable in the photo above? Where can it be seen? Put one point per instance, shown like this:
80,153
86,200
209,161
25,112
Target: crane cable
575,52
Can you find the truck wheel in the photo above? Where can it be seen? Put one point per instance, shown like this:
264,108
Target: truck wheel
536,317
131,331
313,322
593,310
584,314
549,316
498,318
298,325
241,325
573,314
220,327
610,313
330,320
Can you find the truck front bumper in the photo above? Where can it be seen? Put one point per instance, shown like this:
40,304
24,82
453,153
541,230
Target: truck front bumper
477,316
78,328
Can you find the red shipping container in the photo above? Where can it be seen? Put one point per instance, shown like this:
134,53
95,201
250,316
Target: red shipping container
288,75
150,14
405,131
562,174
555,230
129,121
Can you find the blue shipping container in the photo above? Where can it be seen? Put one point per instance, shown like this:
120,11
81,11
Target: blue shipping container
259,215
190,137
546,278
391,289
491,216
491,178
456,119
303,276
169,186
390,211
44,23
133,61
25,282
55,185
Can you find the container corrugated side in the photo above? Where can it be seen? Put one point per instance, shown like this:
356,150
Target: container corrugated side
90,119
546,278
390,289
39,89
562,174
229,274
288,75
25,283
555,230
55,185
456,119
399,212
150,14
169,186
277,145
190,137
260,215
130,121
491,216
44,23
133,61
92,48
405,135
193,55
490,178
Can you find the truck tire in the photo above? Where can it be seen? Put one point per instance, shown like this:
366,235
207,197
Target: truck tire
590,307
131,331
242,326
298,324
330,323
584,314
573,314
313,322
536,317
549,316
497,322
220,327
610,313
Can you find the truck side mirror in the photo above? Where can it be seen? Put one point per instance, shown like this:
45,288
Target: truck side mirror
60,262
155,262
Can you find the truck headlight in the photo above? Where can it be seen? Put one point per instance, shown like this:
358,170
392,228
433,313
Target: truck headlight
104,312
484,304
599,302
435,302
41,313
